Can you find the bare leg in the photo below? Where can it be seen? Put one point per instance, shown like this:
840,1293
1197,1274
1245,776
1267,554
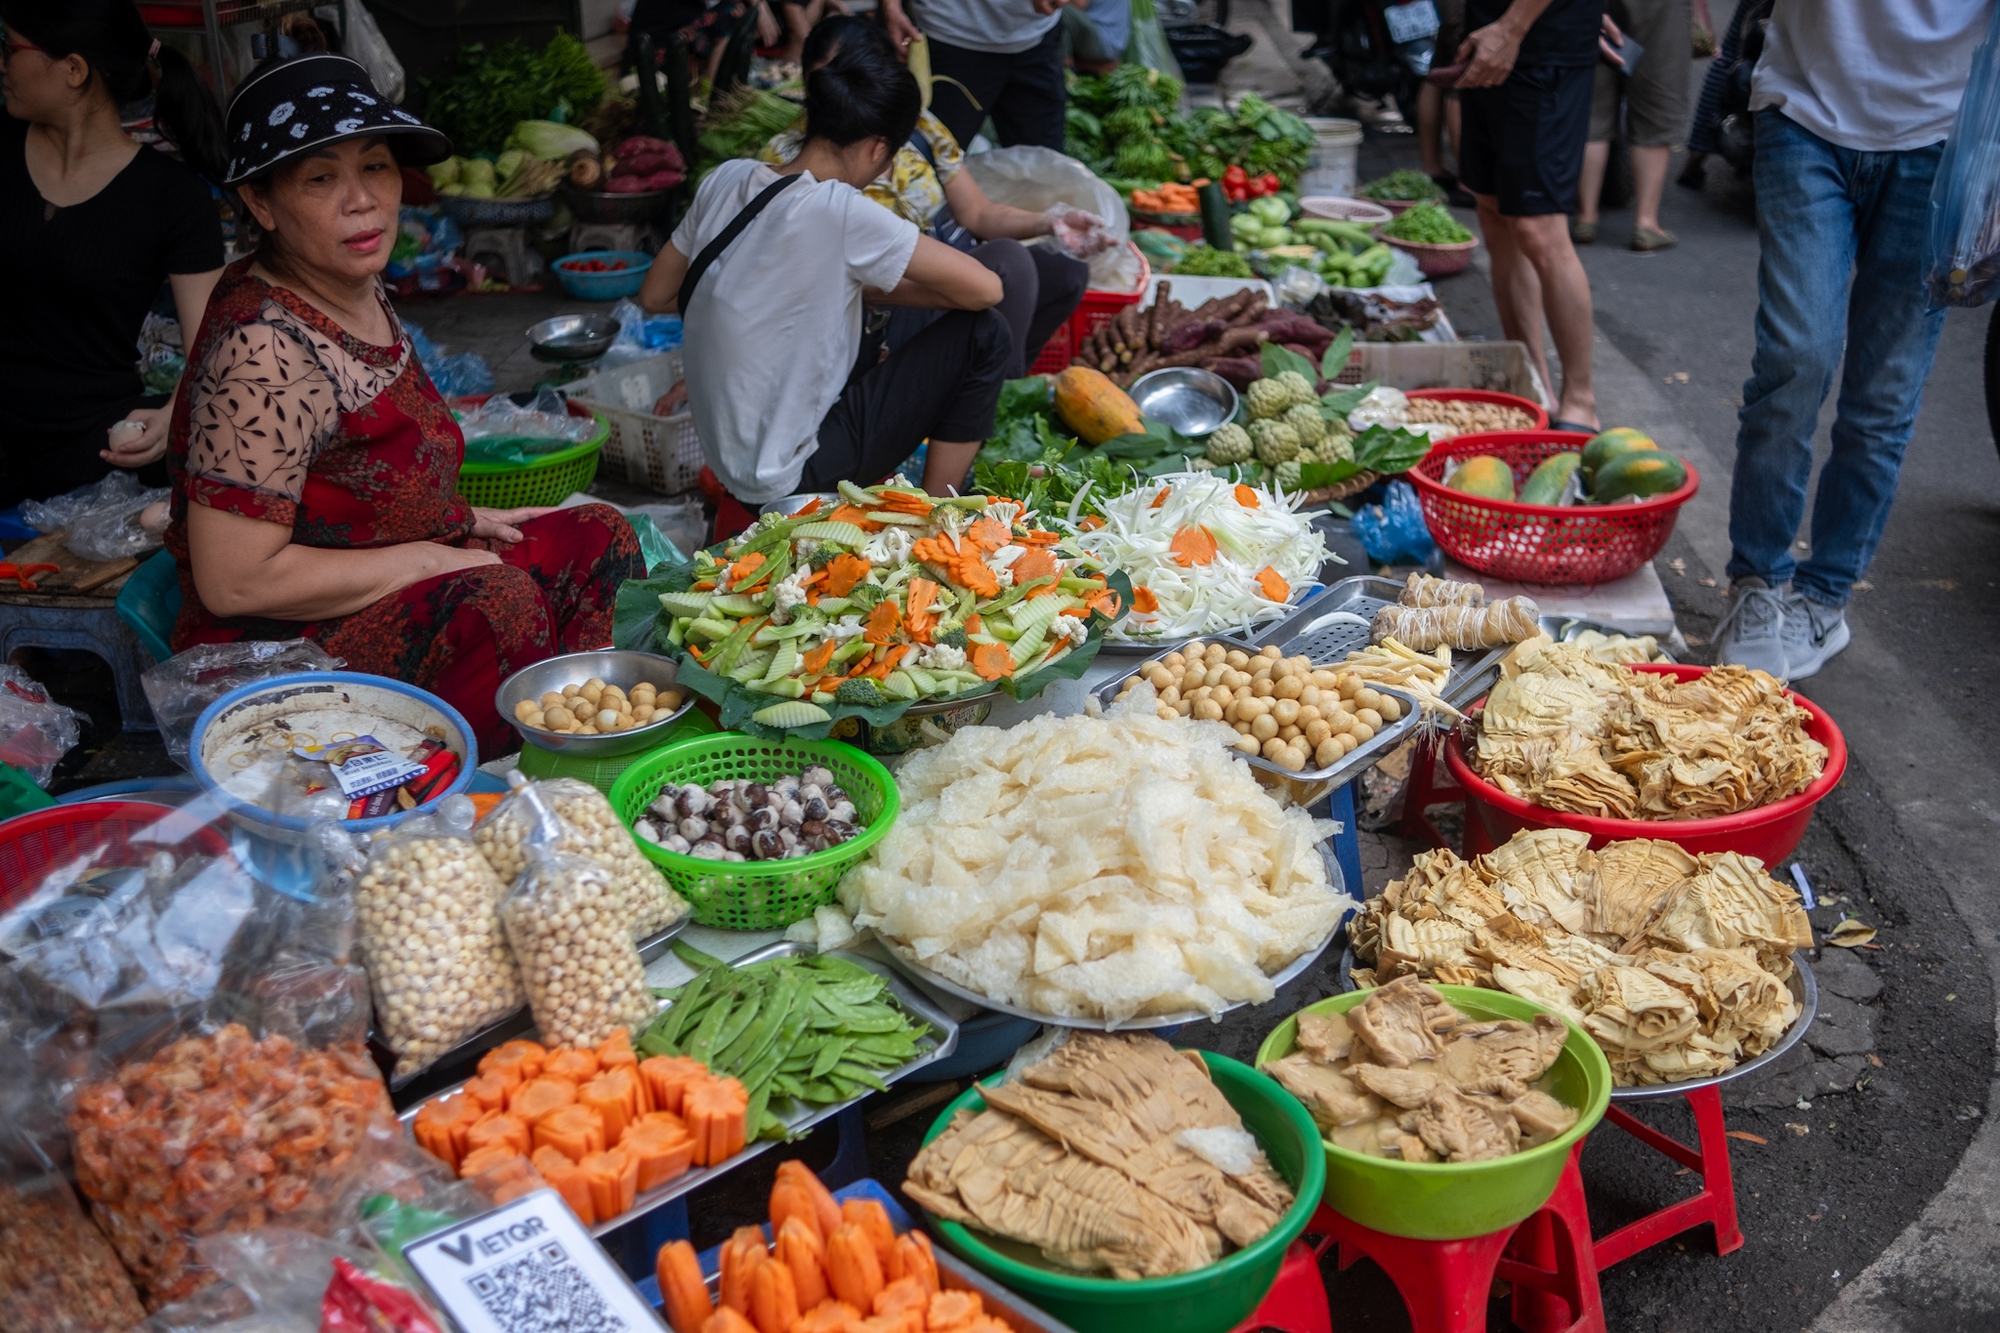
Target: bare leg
1596,158
1544,242
798,22
946,464
1430,127
1453,122
1517,292
1649,182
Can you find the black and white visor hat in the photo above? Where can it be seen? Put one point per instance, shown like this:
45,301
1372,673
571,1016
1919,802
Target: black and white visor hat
302,105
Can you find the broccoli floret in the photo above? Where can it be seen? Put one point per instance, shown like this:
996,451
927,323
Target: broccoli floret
862,690
823,554
809,615
951,638
864,596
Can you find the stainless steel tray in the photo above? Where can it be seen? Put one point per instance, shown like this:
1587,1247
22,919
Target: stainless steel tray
943,1038
1316,782
1304,593
1563,629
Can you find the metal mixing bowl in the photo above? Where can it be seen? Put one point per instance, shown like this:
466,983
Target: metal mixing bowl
792,504
1191,400
572,337
613,666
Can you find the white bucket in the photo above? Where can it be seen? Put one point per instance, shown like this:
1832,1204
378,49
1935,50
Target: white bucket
1336,152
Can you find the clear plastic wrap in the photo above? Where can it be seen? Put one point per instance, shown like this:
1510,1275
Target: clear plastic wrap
60,1274
565,916
100,521
186,683
500,430
427,910
1962,236
572,816
35,731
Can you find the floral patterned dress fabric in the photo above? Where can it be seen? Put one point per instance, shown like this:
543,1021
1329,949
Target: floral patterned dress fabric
292,420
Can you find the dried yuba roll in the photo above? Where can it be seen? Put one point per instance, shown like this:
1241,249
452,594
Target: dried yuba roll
567,922
1456,626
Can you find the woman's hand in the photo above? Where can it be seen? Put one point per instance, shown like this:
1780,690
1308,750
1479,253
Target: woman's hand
498,524
1608,43
768,31
136,448
901,31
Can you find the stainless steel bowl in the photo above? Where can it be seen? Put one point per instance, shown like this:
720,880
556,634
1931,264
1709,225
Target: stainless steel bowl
792,504
605,207
572,337
1192,401
613,666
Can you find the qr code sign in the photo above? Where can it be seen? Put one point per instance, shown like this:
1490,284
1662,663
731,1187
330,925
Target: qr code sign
543,1292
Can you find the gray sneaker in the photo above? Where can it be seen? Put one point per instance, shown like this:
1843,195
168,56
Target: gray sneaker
1752,634
1812,634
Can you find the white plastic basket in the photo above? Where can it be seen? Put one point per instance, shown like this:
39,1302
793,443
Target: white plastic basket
662,454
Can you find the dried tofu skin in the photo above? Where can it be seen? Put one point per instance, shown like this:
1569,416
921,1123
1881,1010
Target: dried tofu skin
1569,733
1676,964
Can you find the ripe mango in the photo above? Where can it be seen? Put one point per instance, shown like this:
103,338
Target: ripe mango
1637,473
1544,485
1608,444
1483,475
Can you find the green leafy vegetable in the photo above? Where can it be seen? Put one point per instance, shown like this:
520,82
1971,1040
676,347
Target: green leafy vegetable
1202,261
1402,184
491,89
1427,224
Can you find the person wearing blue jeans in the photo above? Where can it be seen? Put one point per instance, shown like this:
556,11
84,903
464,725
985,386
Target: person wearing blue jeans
1853,100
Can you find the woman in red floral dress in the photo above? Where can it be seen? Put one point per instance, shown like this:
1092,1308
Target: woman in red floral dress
315,465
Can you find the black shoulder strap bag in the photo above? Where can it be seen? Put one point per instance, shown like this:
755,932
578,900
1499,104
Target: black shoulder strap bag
713,250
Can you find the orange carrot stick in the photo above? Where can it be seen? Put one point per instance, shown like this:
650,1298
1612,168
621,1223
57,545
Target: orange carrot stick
873,1219
664,1152
801,1250
852,1269
564,1177
577,1066
824,1207
774,1302
575,1132
682,1290
541,1097
613,1178
667,1078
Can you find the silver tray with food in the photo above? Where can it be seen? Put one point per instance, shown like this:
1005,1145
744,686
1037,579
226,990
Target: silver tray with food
1167,643
938,1043
1592,633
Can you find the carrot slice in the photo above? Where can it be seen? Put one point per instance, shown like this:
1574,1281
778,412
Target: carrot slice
516,1061
1091,522
578,1066
824,1206
905,1321
828,1317
1273,585
748,565
667,1078
873,1219
613,1178
1036,563
801,1250
882,622
1246,496
843,572
715,1110
1143,599
541,1097
852,1269
739,1257
992,661
565,1179
1161,498
616,1050
951,1309
922,593
488,1091
919,1264
495,1157
441,1125
575,1132
848,513
988,534
507,1180
1193,546
1037,537
726,1320
811,507
905,1293
774,1301
974,574
813,663
613,1102
663,1151
498,1129
940,550
682,1290
789,1200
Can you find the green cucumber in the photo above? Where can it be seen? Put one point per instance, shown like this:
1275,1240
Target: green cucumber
687,604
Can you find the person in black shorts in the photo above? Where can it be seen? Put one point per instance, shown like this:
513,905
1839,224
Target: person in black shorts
1526,109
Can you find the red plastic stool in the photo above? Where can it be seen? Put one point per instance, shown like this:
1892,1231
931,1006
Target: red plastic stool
1445,1283
1296,1302
1717,1201
1423,791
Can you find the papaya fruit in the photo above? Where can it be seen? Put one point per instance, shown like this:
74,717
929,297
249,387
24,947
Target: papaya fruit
1608,444
1544,485
1638,473
1483,475
1096,409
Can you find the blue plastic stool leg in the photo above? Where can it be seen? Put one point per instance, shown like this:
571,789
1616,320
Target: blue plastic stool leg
1347,842
850,1160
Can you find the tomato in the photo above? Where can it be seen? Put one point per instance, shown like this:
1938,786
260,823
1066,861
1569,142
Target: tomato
1270,182
1236,176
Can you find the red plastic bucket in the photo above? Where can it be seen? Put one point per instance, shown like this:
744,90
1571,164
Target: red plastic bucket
33,844
1770,832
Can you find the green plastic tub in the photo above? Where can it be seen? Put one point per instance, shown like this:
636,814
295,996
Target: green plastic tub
1208,1300
1456,1200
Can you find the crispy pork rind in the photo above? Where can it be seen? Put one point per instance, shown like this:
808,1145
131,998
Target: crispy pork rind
1105,868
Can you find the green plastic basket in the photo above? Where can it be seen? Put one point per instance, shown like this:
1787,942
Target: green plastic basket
1457,1200
603,771
548,480
758,895
1208,1300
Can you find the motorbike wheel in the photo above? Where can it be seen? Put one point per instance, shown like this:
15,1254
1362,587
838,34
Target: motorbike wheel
1993,375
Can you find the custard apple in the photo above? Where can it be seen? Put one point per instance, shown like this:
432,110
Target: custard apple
1288,476
1266,399
1307,421
1298,388
1229,444
1335,448
1275,442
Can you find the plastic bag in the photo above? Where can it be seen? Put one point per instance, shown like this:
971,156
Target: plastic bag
640,335
35,731
428,923
162,354
186,683
284,1281
100,521
365,42
572,816
1036,178
1393,532
457,376
654,545
1962,237
60,1275
1080,233
1148,43
204,1039
500,430
682,522
565,917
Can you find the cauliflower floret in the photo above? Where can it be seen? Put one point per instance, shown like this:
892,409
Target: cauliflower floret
1005,557
888,548
847,627
789,594
1071,628
1003,513
943,657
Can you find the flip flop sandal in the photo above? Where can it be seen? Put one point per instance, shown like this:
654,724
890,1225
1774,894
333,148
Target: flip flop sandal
1573,425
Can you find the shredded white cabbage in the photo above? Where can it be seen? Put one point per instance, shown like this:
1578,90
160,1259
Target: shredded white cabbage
1203,599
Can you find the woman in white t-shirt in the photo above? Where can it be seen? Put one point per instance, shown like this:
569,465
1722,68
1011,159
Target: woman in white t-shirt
773,322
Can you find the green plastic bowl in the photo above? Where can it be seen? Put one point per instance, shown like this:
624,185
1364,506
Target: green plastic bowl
1457,1200
758,895
1208,1300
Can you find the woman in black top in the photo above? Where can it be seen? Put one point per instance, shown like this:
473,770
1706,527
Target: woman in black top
91,223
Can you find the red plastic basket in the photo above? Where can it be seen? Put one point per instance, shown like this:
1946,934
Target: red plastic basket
1770,833
1513,400
1540,543
1095,311
34,843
